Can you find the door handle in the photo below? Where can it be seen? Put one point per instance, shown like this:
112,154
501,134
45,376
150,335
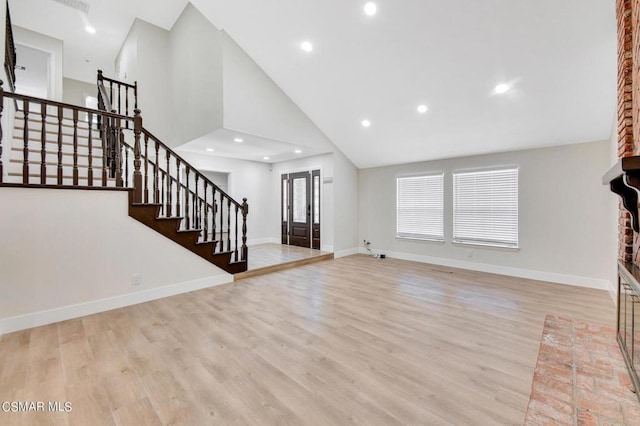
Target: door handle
309,210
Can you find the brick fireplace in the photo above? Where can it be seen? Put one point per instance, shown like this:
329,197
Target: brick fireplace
628,17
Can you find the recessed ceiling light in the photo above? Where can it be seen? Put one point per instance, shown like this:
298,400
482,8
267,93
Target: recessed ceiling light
210,149
366,123
298,151
501,88
370,9
238,140
90,29
306,46
265,158
422,109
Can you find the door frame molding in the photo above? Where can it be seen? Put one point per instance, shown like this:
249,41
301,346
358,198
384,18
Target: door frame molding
309,169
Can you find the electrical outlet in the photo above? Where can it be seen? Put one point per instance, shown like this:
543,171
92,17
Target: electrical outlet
136,279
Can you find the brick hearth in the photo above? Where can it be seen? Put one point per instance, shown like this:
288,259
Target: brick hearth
580,378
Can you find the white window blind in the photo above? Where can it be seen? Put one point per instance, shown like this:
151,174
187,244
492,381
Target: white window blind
420,207
485,207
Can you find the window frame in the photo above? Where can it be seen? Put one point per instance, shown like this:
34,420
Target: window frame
415,236
502,243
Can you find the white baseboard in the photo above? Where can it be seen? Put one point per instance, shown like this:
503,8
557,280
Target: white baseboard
553,277
326,247
35,319
344,253
257,241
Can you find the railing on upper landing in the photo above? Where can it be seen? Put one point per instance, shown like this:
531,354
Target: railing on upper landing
58,144
117,94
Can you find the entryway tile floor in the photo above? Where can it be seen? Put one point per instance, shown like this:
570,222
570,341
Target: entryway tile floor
269,257
581,378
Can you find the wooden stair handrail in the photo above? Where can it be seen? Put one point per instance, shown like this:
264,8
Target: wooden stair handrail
103,98
47,102
186,164
10,52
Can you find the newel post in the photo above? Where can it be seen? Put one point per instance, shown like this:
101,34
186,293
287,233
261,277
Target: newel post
1,109
137,174
245,212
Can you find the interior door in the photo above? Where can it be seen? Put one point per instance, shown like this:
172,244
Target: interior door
300,209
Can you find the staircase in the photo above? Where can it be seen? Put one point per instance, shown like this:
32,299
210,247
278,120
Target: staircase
57,145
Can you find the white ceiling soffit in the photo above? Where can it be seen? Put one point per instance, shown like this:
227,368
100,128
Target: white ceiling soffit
244,146
557,57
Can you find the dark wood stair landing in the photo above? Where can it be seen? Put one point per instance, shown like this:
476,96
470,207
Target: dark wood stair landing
149,214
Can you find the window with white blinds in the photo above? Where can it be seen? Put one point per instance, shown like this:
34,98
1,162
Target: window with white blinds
420,207
485,207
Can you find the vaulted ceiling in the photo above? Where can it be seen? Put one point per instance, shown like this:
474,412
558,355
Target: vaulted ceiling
557,60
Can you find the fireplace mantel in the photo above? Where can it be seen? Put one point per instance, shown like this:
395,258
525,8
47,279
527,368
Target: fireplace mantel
624,179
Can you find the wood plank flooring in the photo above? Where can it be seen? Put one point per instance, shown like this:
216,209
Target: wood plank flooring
353,340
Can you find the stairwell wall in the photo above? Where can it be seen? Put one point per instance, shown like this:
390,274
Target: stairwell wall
72,253
195,80
75,91
144,58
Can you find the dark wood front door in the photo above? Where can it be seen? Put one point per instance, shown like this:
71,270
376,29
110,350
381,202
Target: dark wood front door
300,197
300,209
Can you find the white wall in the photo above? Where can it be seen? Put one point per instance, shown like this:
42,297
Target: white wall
345,183
47,44
327,218
339,200
126,62
564,212
69,253
246,179
255,104
195,49
144,57
75,91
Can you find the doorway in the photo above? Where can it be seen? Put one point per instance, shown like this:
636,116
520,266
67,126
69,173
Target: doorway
300,196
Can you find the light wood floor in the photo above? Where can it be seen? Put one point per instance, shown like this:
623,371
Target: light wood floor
353,340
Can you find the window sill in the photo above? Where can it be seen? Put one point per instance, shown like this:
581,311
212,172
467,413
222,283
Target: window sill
426,240
486,245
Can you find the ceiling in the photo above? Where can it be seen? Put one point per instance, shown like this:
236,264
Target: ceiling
557,57
243,146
